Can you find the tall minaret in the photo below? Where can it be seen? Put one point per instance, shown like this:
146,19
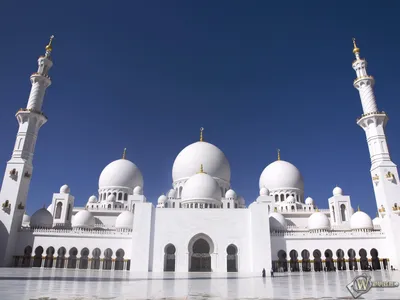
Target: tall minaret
384,173
17,177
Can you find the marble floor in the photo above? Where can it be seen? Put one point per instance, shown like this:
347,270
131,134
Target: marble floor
64,284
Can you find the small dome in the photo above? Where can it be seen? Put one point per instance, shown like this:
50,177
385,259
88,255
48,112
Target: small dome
290,199
280,175
50,209
264,191
318,221
26,219
111,198
83,219
92,199
201,187
162,199
230,194
188,161
337,191
65,189
309,201
376,221
41,218
172,194
277,222
360,220
138,190
124,220
120,173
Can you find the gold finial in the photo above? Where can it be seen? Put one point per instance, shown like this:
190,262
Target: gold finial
201,168
316,209
49,47
355,49
124,154
358,208
201,134
279,154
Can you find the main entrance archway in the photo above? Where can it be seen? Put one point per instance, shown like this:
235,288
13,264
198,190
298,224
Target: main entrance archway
200,249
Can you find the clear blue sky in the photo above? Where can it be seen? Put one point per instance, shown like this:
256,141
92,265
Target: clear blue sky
146,75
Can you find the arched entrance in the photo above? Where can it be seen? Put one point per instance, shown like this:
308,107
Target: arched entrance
231,258
200,249
169,258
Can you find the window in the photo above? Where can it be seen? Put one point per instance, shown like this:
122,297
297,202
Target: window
58,210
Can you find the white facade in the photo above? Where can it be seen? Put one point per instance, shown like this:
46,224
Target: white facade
202,224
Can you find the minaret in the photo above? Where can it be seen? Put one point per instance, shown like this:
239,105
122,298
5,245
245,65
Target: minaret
17,177
384,173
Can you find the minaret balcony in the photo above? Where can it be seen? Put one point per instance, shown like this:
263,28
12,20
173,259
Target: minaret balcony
375,113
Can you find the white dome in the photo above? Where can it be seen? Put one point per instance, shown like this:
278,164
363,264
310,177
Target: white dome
360,220
337,191
318,221
92,199
230,194
111,198
201,186
50,209
377,221
26,219
42,218
290,199
138,190
172,194
188,162
162,199
83,219
280,175
264,191
65,189
124,220
309,201
121,173
277,222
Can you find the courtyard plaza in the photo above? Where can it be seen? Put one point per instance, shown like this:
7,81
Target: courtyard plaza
65,284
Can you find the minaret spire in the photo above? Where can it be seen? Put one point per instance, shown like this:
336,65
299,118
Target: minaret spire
49,48
356,50
19,168
384,172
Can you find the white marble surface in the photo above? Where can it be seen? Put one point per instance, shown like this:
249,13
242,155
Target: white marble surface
80,284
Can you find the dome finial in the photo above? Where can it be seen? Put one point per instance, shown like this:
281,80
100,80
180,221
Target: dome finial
49,46
201,134
124,154
316,209
201,169
358,208
279,153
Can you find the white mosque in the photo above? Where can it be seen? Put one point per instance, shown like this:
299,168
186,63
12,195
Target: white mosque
202,224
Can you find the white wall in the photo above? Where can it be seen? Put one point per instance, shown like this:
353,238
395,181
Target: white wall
222,226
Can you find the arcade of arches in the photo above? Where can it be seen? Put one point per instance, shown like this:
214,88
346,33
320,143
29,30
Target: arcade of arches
72,259
329,261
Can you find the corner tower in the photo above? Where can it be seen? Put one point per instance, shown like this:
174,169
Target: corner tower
384,172
17,177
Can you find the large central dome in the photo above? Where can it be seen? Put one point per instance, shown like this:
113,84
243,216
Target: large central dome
121,173
280,175
201,153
